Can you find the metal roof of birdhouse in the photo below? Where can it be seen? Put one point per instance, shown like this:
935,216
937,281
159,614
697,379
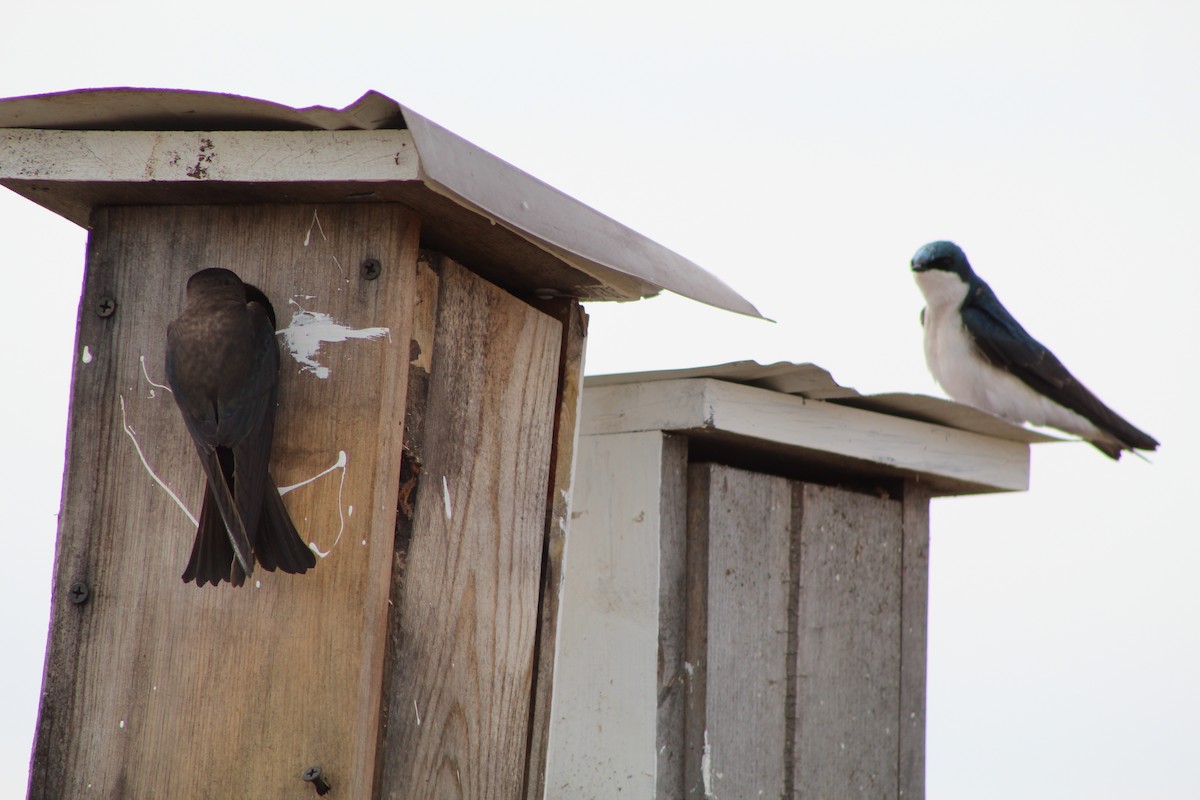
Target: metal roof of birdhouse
787,411
74,151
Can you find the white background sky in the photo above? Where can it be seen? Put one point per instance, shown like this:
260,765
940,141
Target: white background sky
802,152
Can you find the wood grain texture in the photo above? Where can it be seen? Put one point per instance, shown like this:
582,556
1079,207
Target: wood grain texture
672,618
848,644
749,549
914,623
696,763
459,689
157,689
193,156
573,319
424,328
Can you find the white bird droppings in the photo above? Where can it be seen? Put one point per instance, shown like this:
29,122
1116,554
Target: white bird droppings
308,330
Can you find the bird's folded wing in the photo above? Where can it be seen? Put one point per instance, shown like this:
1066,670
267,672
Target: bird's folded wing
1005,344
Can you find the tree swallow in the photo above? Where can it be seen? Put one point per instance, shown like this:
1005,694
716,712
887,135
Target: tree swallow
981,356
223,368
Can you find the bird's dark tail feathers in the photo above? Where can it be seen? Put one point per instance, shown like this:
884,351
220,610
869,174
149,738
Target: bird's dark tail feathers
1119,434
1114,449
212,558
278,545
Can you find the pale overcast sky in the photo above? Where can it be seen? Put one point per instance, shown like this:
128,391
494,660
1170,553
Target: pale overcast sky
802,152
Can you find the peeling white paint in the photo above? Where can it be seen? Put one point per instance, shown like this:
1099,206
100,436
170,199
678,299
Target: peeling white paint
308,330
341,462
87,355
133,438
446,497
418,712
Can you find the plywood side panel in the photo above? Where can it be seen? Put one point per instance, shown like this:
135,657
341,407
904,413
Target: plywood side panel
848,644
466,619
154,688
603,717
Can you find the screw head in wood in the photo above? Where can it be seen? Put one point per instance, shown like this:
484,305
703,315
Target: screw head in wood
371,268
313,775
106,306
78,593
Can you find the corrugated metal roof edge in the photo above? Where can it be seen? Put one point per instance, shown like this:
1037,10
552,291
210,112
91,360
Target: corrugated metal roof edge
464,173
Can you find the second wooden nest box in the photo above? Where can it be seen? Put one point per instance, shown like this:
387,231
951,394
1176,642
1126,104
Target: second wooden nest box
745,592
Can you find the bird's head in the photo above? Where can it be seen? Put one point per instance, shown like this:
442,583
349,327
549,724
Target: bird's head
942,256
943,274
216,283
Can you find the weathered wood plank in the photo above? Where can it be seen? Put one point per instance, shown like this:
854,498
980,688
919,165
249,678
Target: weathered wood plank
602,729
424,328
199,156
914,621
847,669
950,460
573,319
154,688
459,695
744,741
672,618
697,768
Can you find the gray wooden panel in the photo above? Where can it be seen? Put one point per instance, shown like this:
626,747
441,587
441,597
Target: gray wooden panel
672,617
465,624
695,718
914,617
744,741
154,688
847,669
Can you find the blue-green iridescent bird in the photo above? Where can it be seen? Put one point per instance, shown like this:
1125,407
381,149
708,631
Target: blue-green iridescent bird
982,356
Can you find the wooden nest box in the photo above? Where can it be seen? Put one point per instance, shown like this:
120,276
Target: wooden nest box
743,611
428,299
